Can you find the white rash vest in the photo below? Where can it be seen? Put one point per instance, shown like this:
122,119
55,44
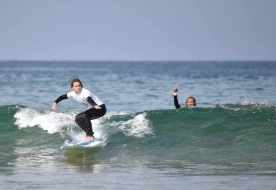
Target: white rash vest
82,96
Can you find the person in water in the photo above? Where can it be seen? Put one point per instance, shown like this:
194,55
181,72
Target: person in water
190,101
95,107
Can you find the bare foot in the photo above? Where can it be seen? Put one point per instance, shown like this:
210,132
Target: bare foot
87,139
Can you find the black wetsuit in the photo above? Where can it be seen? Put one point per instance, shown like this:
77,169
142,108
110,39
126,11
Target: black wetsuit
176,102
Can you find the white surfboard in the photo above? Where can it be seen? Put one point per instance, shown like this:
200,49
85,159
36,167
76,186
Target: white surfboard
76,143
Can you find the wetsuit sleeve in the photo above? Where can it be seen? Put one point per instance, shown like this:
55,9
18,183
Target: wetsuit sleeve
89,99
176,102
62,97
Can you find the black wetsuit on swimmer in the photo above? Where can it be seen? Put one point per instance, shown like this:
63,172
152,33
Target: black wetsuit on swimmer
176,102
83,118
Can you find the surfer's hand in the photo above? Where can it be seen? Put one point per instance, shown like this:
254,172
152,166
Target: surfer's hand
54,106
97,107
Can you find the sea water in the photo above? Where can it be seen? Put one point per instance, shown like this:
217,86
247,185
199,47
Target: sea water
226,142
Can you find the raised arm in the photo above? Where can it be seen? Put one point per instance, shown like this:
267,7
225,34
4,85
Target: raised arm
175,92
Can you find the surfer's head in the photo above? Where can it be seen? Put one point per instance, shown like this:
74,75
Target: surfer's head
191,101
76,85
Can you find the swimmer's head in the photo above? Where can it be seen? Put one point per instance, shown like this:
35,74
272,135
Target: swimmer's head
191,101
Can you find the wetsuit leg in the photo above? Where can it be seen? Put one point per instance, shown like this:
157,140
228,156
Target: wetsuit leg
83,119
84,123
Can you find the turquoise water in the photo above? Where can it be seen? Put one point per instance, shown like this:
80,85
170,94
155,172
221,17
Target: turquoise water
226,142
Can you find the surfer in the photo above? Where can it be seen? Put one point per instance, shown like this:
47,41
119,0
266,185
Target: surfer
190,101
95,107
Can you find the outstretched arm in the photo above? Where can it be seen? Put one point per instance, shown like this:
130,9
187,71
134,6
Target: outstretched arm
175,92
62,97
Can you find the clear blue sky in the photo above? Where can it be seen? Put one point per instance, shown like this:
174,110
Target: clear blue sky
137,30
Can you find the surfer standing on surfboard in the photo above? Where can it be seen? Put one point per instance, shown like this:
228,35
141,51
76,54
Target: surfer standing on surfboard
190,101
95,107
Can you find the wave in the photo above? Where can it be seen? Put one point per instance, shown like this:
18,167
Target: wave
232,132
64,123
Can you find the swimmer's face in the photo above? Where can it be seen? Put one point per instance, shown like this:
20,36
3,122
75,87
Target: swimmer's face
190,102
77,87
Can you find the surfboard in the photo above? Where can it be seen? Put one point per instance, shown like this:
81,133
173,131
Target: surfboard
77,143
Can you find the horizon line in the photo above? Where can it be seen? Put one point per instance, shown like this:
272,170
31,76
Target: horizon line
34,60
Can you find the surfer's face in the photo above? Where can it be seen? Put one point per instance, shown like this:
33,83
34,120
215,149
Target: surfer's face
77,87
190,102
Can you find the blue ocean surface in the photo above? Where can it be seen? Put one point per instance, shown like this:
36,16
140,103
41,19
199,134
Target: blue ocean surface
228,141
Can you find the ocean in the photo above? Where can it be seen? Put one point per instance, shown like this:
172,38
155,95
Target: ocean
228,141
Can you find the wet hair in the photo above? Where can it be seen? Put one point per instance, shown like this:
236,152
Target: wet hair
75,80
193,99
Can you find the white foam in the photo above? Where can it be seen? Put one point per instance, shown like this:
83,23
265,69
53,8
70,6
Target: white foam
244,101
52,122
138,126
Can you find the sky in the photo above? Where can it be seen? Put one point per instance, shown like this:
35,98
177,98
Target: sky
138,30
